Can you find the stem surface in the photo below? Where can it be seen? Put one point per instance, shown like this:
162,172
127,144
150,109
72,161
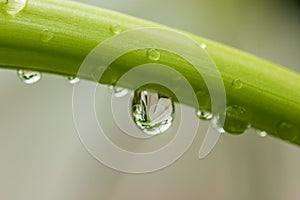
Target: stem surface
56,36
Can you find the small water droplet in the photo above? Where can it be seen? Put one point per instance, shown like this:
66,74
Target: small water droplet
116,29
201,93
203,46
73,80
13,7
287,131
216,124
153,54
261,133
117,91
29,77
152,112
237,84
237,119
204,115
46,35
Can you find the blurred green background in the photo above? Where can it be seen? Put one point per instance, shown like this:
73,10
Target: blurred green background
42,157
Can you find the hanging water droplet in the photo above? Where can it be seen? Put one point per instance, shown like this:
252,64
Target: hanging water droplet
13,7
237,84
152,112
73,80
237,119
29,77
287,131
203,46
116,29
117,91
261,133
216,124
204,115
153,54
46,35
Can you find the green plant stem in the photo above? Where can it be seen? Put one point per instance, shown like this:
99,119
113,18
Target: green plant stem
270,93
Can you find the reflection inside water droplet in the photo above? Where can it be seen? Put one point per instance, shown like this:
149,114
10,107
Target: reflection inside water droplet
29,77
152,112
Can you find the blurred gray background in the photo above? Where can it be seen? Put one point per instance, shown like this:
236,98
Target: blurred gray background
42,157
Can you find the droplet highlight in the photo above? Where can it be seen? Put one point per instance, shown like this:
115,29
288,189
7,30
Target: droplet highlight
203,46
152,112
237,84
29,77
46,35
116,29
287,131
73,80
237,119
153,54
118,91
261,133
204,115
13,7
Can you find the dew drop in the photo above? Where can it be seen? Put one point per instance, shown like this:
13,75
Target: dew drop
29,77
116,29
46,35
237,84
13,7
287,131
73,80
203,46
237,120
216,125
153,54
200,93
153,113
204,115
117,91
261,133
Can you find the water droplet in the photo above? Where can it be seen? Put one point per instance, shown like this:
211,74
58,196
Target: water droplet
203,46
73,80
153,54
117,91
13,7
201,93
237,84
46,35
152,112
261,133
237,119
287,131
116,29
29,77
204,115
216,124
